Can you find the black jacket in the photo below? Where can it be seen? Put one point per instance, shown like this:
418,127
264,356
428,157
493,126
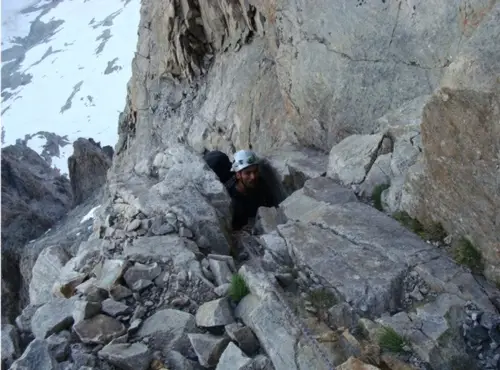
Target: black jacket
245,206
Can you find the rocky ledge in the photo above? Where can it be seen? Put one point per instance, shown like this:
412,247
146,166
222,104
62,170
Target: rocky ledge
330,281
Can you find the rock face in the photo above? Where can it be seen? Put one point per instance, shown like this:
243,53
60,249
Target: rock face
34,198
330,281
88,167
456,181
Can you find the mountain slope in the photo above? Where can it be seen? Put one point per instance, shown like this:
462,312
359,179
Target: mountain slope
65,65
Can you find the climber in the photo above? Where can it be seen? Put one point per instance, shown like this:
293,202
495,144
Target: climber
246,189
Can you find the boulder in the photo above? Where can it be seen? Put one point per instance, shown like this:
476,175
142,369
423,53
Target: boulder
114,308
52,317
59,345
36,356
280,337
214,313
243,336
168,329
100,329
208,348
351,159
46,272
187,186
10,345
88,166
127,356
233,358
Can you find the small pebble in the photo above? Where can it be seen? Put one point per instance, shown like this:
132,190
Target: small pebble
148,304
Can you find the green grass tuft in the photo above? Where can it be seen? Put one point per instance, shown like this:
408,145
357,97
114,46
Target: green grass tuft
391,341
467,254
434,231
377,196
238,288
322,299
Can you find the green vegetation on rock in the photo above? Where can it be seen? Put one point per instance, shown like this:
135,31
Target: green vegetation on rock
467,254
391,341
377,196
434,231
238,288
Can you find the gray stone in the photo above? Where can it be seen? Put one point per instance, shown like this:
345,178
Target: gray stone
351,159
444,275
134,225
221,257
66,365
188,186
391,197
233,358
163,229
36,356
222,290
167,330
434,330
10,345
489,319
267,219
276,246
214,313
312,246
221,271
23,321
85,310
261,362
141,272
285,279
99,329
325,189
342,314
294,166
279,336
81,356
141,284
299,204
208,348
119,292
175,360
379,174
169,248
184,232
108,272
134,326
46,271
162,280
52,317
127,356
59,345
114,308
244,337
92,292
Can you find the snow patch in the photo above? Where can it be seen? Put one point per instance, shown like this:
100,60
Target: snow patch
89,215
82,55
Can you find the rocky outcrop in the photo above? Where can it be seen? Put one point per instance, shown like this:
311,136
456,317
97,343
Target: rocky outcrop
88,167
330,281
34,198
151,288
457,180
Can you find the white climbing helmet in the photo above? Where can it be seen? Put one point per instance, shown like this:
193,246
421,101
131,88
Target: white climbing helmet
244,159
